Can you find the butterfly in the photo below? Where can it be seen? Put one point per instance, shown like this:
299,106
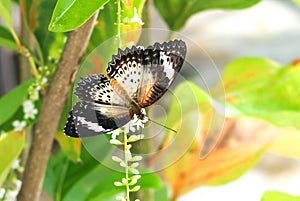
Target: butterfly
136,78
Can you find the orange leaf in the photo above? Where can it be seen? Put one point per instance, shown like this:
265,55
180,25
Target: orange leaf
234,155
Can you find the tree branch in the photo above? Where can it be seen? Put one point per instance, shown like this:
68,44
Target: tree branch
51,109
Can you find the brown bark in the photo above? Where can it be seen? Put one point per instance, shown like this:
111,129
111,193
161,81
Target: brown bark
52,106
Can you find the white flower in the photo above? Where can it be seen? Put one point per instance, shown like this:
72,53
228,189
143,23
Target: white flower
11,195
136,123
44,80
2,192
28,105
115,133
36,94
31,113
16,164
135,18
29,109
121,198
18,185
18,125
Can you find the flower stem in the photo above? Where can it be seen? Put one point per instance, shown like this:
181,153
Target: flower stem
119,23
126,149
23,50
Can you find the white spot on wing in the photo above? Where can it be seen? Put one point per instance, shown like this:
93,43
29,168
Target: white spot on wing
90,125
168,66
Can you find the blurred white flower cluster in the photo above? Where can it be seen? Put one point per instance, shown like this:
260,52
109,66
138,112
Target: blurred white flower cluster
10,191
135,18
30,112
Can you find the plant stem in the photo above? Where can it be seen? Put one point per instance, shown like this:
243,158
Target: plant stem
126,166
25,51
119,23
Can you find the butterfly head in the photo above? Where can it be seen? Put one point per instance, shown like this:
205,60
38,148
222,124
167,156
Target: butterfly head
141,115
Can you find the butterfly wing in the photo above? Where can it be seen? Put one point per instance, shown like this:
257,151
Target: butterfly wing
98,89
136,78
144,75
124,71
100,111
160,63
88,119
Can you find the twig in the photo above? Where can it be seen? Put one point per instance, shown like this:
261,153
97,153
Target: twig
51,109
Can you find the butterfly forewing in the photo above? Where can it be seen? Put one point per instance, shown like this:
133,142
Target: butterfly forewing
161,62
125,71
97,89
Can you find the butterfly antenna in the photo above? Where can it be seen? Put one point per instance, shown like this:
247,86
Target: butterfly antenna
163,126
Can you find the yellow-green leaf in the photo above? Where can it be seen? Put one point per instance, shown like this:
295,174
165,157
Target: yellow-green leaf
177,12
5,12
260,88
279,196
287,144
11,145
70,146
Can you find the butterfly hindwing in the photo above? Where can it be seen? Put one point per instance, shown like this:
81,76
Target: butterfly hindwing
87,119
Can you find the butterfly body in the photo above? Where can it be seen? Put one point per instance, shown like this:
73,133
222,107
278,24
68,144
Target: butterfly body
136,78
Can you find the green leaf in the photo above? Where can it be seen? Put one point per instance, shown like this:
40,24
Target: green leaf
55,175
5,12
177,12
106,188
68,181
248,73
11,145
69,15
73,173
50,44
297,2
70,146
13,100
6,39
188,100
161,194
107,26
271,93
278,196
